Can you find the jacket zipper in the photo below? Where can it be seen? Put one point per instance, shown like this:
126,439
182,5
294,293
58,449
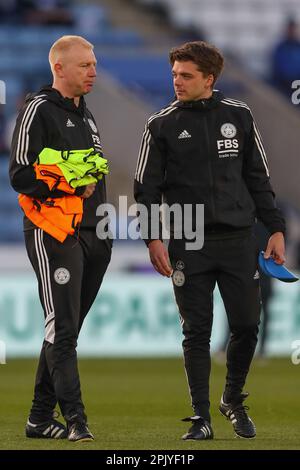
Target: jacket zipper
211,178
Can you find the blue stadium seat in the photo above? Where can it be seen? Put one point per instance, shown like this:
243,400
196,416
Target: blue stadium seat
39,39
148,75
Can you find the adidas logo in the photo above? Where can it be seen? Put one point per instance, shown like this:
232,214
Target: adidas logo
184,135
256,275
70,123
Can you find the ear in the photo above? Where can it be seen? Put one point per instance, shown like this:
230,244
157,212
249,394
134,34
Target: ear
210,80
58,68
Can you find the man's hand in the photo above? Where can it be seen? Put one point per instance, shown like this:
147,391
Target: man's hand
275,248
89,190
159,258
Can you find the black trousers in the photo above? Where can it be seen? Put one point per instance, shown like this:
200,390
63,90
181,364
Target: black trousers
232,264
69,276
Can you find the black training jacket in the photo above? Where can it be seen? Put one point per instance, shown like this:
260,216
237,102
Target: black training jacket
50,120
208,152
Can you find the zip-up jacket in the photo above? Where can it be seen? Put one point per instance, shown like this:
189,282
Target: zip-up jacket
50,121
208,152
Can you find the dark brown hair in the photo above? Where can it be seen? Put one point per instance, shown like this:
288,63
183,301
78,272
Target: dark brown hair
207,57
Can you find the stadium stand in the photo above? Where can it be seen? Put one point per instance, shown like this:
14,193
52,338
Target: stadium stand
245,29
132,51
24,67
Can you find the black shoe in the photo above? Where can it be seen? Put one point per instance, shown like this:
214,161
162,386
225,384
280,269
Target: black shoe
51,429
78,431
200,429
236,412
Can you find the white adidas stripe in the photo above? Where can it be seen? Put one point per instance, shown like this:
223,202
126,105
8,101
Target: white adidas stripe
43,264
46,284
162,111
261,147
50,329
235,103
54,431
47,270
145,143
145,157
232,418
144,153
59,433
49,318
208,430
27,133
41,270
47,430
257,137
147,136
23,139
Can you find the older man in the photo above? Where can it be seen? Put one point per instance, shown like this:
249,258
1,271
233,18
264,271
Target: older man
69,264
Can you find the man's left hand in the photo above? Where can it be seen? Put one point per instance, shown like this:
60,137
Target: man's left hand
275,248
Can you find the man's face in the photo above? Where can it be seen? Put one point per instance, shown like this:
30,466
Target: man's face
189,83
78,68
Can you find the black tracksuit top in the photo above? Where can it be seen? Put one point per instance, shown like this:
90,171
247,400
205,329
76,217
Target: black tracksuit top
208,152
50,120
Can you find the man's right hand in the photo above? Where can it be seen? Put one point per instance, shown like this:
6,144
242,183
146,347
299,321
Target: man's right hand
89,190
159,258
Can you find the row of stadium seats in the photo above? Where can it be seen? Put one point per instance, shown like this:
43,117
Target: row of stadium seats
246,29
24,67
39,38
24,54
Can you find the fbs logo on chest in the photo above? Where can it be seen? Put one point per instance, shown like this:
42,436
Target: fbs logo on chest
228,147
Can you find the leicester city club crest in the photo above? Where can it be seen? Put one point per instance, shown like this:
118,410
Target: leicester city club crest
228,130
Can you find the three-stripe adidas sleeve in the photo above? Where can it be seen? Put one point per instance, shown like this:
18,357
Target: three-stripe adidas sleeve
27,142
149,176
257,178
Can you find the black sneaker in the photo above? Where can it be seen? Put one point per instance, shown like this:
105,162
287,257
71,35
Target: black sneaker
78,431
51,429
200,429
236,412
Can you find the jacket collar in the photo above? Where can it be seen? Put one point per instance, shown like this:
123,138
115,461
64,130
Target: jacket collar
205,103
53,95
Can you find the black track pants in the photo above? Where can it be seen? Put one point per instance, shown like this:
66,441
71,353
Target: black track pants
69,276
232,264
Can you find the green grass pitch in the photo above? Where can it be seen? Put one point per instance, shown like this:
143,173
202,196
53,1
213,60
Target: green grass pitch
138,404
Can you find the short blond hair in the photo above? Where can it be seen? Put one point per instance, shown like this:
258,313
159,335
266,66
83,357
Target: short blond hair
63,44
